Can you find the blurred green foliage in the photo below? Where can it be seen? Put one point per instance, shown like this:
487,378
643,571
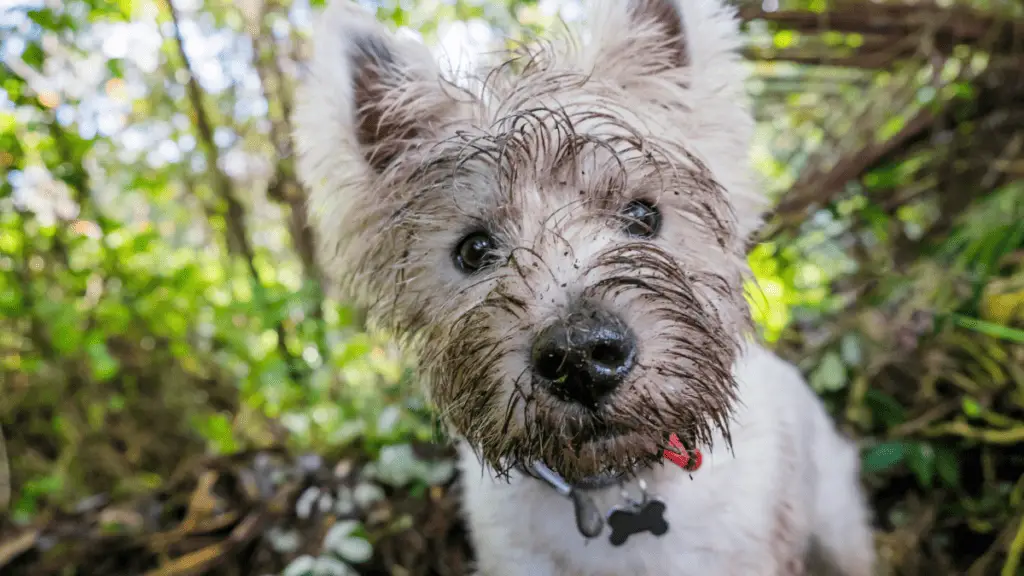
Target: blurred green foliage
134,336
160,300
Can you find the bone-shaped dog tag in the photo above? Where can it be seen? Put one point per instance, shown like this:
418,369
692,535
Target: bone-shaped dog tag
637,517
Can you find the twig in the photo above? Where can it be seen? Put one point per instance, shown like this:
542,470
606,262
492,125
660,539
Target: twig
988,436
238,241
1014,553
5,475
930,416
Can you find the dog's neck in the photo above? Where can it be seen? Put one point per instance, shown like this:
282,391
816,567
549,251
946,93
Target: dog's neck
676,453
645,514
590,483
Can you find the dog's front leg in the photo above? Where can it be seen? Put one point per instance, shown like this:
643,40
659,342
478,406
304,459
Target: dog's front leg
843,544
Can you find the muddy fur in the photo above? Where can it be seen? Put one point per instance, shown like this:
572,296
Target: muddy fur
543,150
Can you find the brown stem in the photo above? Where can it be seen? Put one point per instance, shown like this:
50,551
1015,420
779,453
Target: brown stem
238,241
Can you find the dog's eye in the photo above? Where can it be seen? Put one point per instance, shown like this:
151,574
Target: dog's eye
474,252
641,219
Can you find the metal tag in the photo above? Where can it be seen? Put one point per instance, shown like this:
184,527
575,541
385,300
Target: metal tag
647,515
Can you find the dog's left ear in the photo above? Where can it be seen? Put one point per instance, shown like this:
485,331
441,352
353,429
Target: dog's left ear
662,22
683,57
368,98
693,42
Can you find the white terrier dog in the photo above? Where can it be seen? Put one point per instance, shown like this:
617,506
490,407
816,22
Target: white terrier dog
561,244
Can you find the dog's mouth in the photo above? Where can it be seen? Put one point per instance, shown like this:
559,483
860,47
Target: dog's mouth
606,463
600,431
598,481
594,450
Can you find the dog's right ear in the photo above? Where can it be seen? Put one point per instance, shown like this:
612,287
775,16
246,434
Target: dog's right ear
368,98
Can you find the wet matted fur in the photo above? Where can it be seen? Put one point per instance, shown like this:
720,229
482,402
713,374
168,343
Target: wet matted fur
542,156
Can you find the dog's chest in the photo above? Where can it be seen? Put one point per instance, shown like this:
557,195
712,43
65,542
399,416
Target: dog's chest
716,519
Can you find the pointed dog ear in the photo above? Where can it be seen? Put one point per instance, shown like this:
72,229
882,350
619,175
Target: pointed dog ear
683,56
666,20
369,95
694,43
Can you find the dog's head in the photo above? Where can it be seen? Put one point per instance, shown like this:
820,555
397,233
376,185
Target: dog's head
562,243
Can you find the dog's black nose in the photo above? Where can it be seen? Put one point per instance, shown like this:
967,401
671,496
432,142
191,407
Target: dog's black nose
584,357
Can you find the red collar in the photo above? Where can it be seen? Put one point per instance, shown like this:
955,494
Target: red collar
689,460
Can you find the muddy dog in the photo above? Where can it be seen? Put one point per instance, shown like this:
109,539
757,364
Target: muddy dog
559,240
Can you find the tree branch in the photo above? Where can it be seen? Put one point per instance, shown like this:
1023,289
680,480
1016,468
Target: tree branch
947,26
238,240
283,187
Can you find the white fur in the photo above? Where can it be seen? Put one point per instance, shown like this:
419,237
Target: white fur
788,459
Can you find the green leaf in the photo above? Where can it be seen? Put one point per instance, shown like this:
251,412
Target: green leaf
885,408
891,128
850,349
115,66
830,374
62,319
43,485
884,456
126,8
784,38
46,18
103,365
24,508
10,302
113,317
217,430
989,328
302,566
33,56
971,407
355,550
358,346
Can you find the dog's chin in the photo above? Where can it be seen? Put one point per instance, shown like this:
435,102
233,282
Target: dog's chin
599,461
590,448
